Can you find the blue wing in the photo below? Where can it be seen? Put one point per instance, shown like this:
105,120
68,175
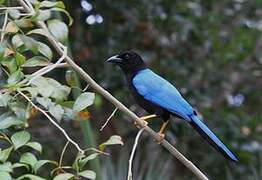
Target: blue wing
160,92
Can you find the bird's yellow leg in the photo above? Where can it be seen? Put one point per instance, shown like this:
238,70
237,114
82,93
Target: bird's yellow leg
161,132
147,118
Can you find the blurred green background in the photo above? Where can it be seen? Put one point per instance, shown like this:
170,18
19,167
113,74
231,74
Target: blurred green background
211,50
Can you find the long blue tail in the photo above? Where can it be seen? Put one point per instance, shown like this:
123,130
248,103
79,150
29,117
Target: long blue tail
205,132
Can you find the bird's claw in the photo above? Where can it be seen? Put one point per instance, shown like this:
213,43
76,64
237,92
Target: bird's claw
139,126
161,138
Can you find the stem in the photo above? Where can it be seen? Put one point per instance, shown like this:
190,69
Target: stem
129,176
108,119
53,122
62,154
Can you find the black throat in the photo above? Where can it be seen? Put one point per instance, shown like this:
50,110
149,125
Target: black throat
131,71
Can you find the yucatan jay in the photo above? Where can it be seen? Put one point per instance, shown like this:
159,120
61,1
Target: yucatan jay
160,98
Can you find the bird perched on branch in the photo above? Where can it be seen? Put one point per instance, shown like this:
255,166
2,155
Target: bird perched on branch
160,98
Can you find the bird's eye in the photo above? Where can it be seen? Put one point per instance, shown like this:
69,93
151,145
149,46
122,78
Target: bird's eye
127,56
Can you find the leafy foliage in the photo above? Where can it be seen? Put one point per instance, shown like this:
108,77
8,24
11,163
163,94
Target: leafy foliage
25,93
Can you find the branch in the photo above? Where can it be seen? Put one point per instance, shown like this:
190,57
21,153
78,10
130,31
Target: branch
50,67
53,122
129,176
117,103
11,8
108,119
62,154
4,26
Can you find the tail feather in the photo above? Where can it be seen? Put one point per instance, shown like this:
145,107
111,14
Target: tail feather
205,132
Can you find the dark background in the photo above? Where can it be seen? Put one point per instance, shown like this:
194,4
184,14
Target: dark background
211,50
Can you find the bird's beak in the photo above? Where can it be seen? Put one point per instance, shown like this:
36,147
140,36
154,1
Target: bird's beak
114,59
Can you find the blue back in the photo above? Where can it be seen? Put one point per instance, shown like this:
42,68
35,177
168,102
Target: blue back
160,92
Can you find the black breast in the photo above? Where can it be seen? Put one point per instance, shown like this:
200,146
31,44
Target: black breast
145,104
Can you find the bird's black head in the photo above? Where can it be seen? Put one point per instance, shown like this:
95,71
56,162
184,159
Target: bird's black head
128,61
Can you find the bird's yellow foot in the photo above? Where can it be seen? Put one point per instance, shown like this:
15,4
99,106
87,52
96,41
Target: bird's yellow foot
161,138
161,132
144,124
145,119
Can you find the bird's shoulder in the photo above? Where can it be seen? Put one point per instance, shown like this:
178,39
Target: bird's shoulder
156,89
146,80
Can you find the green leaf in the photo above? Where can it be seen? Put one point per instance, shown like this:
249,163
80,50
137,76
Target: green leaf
64,176
2,2
58,29
4,154
20,59
71,78
9,121
17,41
19,109
49,4
35,145
46,102
45,50
30,176
36,61
30,43
18,165
2,50
32,90
113,140
15,77
20,138
65,12
28,158
4,99
43,15
75,165
68,104
88,174
82,162
10,63
48,87
6,167
40,163
5,176
38,31
69,114
84,100
57,111
24,23
14,13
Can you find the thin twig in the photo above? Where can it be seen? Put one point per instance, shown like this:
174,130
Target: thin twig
61,65
53,122
48,68
30,6
87,86
97,151
62,154
117,103
130,162
11,8
4,26
108,119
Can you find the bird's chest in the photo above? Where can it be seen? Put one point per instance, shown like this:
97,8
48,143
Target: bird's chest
148,106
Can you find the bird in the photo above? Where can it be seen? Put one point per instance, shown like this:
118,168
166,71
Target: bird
161,99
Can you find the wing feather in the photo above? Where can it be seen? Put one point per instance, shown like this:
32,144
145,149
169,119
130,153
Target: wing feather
159,91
